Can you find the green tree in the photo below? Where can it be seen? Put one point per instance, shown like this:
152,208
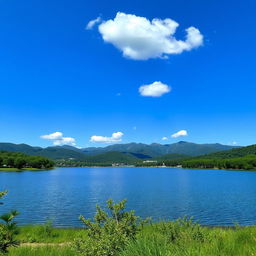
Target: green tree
9,161
19,162
8,229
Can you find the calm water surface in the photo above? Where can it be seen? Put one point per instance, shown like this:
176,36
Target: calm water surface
212,197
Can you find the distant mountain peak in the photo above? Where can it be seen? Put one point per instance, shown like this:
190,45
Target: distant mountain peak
139,150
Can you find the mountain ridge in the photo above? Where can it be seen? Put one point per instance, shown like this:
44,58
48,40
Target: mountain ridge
136,150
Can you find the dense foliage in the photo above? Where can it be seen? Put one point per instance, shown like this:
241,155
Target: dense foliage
241,163
180,238
105,159
74,163
8,229
109,233
239,159
170,157
19,161
233,153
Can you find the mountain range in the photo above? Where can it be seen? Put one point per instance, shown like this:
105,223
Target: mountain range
119,152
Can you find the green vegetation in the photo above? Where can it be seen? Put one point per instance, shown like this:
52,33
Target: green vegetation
153,150
233,153
8,229
113,156
121,233
44,250
234,159
237,158
171,157
105,159
183,237
139,151
110,233
47,234
179,238
11,161
242,163
49,152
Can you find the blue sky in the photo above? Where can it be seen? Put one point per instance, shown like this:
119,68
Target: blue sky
57,76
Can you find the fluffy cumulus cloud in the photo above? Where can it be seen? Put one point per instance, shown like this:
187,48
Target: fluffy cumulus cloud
164,138
155,89
58,139
116,137
140,39
179,134
92,23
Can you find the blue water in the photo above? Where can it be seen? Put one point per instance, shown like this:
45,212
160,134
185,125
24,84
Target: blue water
212,197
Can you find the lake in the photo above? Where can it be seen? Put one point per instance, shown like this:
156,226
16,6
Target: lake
212,197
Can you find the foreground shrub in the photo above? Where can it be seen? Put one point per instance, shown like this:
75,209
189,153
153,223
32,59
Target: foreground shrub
182,230
109,233
8,229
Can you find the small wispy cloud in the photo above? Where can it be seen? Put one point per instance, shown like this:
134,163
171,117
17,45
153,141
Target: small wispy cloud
116,137
92,23
58,139
179,134
164,138
156,89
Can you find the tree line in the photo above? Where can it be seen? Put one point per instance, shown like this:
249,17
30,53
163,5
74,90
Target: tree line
239,163
20,161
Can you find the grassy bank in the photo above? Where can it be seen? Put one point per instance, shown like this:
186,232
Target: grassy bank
23,169
162,239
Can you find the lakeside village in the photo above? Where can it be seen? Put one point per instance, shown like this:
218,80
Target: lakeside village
71,163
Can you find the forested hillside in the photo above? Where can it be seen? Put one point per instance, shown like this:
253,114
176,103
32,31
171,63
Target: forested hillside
20,161
137,150
239,158
236,152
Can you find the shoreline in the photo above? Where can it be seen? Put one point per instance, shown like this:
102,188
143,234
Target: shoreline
170,167
128,166
23,169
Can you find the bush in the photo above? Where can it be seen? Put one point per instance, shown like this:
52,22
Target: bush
182,230
109,233
8,229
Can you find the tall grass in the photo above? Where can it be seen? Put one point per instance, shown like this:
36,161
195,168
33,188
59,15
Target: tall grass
179,238
188,239
47,234
42,251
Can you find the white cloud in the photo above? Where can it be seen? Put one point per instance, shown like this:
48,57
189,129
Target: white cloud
140,39
164,138
58,139
92,23
155,89
53,136
116,137
180,133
